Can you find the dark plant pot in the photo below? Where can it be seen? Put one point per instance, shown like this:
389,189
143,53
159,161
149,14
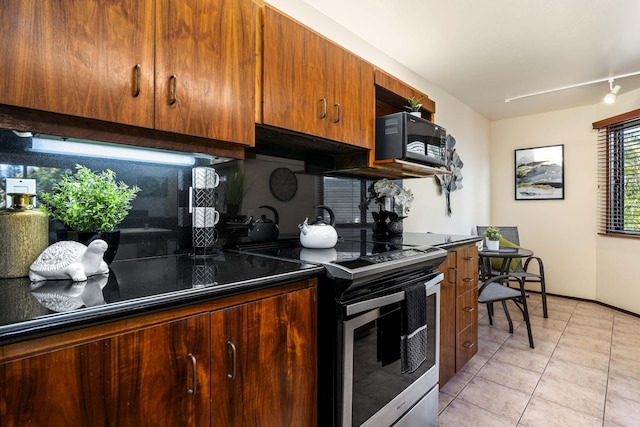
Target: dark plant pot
395,228
111,237
380,228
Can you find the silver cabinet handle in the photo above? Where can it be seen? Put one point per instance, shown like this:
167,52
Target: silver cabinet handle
324,108
173,89
339,113
231,348
136,87
194,375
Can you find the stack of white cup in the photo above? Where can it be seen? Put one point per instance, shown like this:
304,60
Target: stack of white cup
203,208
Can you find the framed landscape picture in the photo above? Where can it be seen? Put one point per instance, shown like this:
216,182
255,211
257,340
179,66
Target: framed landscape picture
540,173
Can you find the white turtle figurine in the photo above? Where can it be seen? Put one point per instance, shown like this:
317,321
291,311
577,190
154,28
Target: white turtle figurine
69,259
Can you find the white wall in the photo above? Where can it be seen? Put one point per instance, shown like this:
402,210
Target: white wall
470,205
617,266
561,232
578,263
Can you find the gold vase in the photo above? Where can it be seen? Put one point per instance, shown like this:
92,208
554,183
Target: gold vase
25,235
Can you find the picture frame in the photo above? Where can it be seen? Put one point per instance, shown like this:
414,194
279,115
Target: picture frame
539,173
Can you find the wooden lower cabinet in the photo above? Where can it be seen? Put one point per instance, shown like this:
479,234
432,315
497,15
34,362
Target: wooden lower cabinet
140,378
263,366
248,362
458,310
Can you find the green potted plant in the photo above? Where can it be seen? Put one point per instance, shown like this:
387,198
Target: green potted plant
493,238
91,204
414,106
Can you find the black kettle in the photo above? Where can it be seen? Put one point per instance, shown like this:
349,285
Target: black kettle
264,229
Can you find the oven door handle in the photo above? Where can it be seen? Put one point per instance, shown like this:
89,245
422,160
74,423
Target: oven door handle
382,301
373,303
439,277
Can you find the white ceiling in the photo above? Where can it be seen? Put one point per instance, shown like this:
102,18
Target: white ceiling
483,51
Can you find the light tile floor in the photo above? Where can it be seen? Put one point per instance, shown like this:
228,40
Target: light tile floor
584,370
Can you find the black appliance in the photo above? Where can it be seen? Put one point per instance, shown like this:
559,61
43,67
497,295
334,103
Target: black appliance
403,136
361,295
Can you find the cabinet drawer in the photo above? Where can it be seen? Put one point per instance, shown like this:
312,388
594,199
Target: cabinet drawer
467,266
466,345
466,310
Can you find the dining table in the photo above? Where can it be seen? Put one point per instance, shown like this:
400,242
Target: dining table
505,254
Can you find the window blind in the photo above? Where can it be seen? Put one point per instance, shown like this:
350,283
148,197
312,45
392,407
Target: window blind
618,155
343,196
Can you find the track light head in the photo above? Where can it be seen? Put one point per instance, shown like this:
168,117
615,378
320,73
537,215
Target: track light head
611,97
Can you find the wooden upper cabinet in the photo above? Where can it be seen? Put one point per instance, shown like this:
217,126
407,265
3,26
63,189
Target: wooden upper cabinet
155,376
293,67
392,96
100,60
313,86
351,79
205,69
79,58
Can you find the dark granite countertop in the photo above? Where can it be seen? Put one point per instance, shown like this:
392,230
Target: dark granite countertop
31,309
443,241
439,240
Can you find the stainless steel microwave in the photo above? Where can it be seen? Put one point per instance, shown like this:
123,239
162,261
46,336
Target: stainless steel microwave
403,136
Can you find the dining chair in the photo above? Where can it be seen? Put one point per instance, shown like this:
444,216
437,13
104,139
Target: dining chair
510,234
491,291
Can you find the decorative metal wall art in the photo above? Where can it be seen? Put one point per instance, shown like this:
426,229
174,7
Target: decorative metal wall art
450,182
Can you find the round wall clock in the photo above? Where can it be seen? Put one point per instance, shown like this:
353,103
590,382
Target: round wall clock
283,184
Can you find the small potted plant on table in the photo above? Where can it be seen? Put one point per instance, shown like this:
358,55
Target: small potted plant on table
92,205
493,238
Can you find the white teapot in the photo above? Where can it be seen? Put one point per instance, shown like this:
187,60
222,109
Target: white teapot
320,234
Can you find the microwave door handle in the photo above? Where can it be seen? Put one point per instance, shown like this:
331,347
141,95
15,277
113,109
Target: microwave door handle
373,303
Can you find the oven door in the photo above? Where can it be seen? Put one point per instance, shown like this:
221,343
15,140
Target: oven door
374,391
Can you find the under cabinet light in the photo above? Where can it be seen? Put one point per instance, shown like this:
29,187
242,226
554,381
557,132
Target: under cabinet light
111,151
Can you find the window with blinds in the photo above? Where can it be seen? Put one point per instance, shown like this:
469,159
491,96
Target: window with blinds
343,196
619,174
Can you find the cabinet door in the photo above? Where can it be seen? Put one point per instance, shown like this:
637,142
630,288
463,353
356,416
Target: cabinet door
294,70
350,81
141,378
314,86
79,58
205,69
264,362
